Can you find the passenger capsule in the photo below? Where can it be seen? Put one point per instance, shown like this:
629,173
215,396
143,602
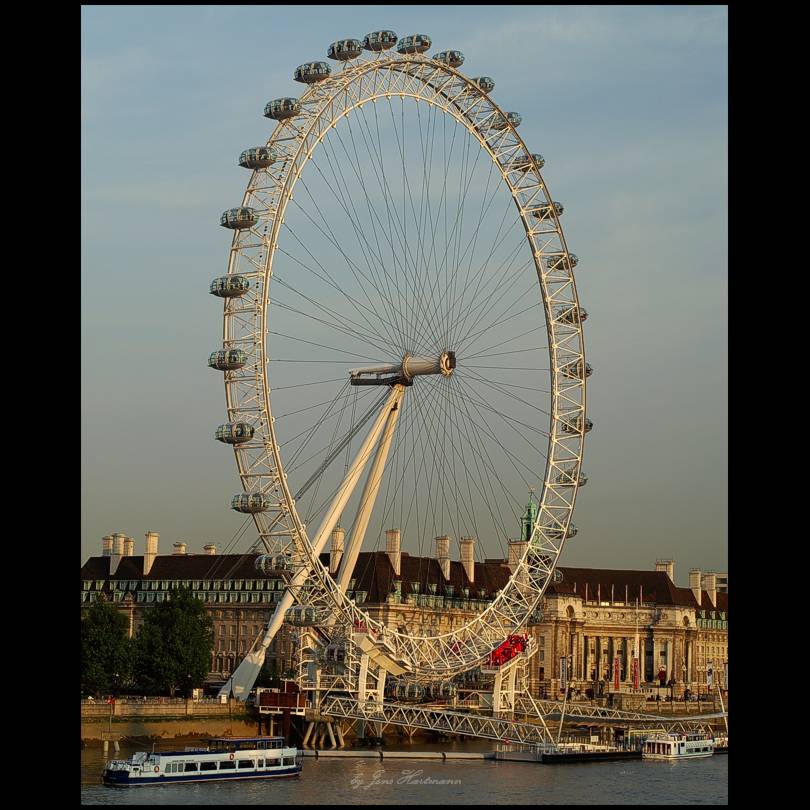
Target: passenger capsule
344,49
574,370
414,691
301,616
234,433
575,424
415,43
483,83
557,534
452,58
227,359
510,118
544,210
559,262
229,286
311,72
282,108
259,157
379,41
526,162
250,503
558,576
566,478
571,315
237,219
264,563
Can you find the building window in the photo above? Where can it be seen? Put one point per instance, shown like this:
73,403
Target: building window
86,584
150,597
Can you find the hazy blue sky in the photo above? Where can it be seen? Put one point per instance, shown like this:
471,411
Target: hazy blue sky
627,104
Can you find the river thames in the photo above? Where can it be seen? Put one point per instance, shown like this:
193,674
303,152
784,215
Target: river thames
369,781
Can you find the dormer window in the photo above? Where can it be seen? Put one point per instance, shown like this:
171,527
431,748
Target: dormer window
360,597
448,590
352,583
86,584
398,587
414,587
432,587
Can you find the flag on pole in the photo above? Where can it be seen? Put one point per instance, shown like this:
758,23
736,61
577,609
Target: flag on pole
635,674
616,673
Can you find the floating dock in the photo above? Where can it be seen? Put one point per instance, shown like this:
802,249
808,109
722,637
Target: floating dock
383,754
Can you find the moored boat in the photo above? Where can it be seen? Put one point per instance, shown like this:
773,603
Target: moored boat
224,758
678,746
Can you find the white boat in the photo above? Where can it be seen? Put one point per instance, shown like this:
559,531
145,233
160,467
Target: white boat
678,746
224,758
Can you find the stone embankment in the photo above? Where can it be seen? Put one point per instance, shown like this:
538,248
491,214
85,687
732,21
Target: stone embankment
163,718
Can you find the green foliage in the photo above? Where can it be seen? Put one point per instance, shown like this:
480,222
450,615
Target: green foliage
106,656
173,647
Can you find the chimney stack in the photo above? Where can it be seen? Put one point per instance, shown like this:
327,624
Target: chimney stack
694,582
150,552
517,549
210,549
179,548
710,586
336,552
667,566
129,546
117,551
466,553
107,546
443,554
392,549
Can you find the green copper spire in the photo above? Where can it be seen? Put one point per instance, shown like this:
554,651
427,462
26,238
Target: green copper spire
529,518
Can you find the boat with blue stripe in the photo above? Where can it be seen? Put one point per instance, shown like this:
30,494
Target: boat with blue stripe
223,758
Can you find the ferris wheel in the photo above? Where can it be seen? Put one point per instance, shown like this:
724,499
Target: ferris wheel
400,304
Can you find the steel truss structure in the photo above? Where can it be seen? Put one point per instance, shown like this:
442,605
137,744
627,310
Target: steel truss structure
506,730
253,254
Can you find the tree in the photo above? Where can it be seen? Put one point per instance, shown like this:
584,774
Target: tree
106,657
173,647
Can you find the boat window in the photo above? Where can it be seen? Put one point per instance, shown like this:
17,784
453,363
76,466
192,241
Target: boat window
246,763
288,761
260,763
190,766
208,766
227,765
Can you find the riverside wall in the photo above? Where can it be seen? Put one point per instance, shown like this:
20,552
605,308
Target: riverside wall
164,719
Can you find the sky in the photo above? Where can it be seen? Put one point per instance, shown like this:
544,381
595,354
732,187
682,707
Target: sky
627,104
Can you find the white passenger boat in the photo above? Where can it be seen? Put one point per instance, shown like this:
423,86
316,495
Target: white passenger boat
678,746
224,758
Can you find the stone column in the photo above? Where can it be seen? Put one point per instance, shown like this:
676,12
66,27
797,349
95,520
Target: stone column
583,643
670,650
585,661
689,661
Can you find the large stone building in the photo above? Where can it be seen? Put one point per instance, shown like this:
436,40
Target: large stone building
591,616
239,599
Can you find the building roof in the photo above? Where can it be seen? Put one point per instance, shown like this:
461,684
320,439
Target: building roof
374,574
178,566
619,584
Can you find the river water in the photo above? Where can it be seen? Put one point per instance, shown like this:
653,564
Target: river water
413,781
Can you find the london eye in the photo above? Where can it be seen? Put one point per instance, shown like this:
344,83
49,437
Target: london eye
402,351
